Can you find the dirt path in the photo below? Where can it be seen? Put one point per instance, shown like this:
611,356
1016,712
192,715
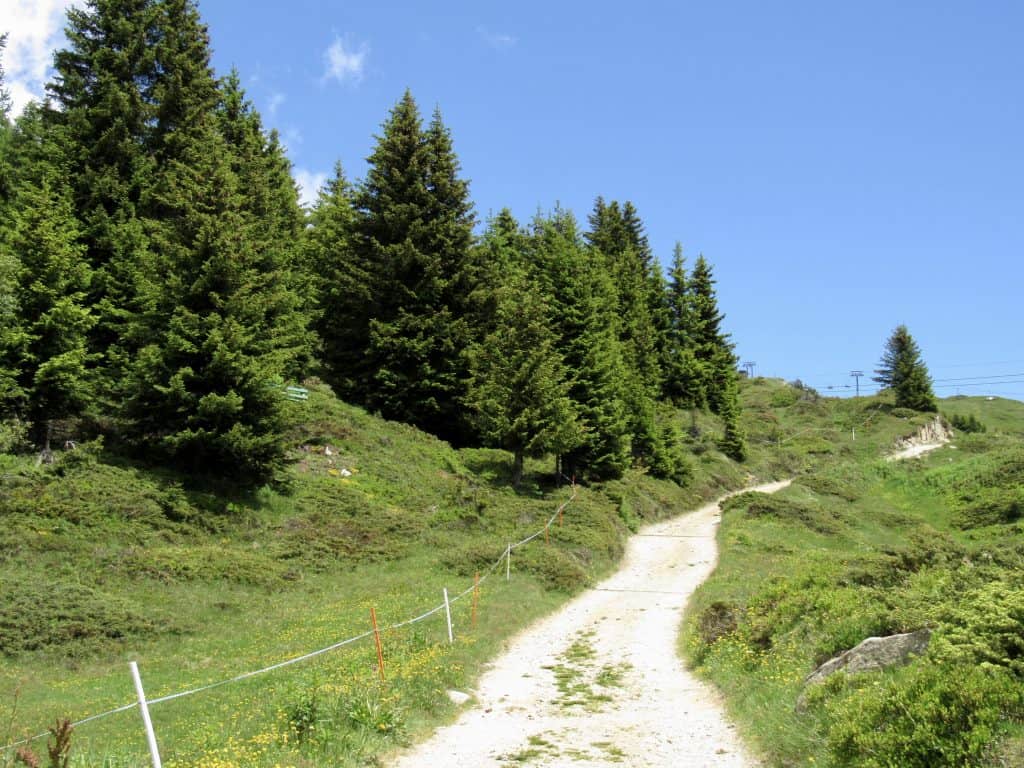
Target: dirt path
600,681
913,451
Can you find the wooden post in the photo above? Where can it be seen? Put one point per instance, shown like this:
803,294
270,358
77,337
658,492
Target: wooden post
508,562
380,647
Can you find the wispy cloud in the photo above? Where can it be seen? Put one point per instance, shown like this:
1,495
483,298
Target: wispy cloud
274,103
500,41
35,28
309,183
344,64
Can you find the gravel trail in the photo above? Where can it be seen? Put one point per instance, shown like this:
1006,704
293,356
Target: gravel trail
600,682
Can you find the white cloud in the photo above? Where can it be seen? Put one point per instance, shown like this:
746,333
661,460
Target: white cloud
274,103
342,64
309,185
497,40
35,28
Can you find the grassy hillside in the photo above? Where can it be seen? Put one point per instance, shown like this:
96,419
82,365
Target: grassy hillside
104,561
859,547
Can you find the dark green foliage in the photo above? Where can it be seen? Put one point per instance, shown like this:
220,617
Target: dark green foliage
683,378
711,346
617,234
274,220
63,613
342,284
969,424
583,303
203,392
518,386
107,86
413,232
53,378
902,370
733,443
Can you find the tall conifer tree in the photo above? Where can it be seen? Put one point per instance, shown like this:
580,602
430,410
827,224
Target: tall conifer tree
413,232
106,86
617,234
518,387
902,370
343,285
683,381
711,344
46,351
584,314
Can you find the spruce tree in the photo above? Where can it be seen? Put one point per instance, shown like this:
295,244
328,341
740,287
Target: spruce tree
617,234
202,392
413,233
501,254
342,287
683,379
902,370
711,345
53,376
106,87
275,224
733,443
220,331
11,332
518,387
584,315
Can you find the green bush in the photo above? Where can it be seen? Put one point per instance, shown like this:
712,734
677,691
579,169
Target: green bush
968,424
59,613
815,517
990,506
923,716
986,627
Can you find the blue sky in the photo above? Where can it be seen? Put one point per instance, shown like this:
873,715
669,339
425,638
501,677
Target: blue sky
845,167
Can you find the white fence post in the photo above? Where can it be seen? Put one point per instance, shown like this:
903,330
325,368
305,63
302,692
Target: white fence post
508,562
448,616
144,708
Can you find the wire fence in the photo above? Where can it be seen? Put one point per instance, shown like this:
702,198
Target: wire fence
143,703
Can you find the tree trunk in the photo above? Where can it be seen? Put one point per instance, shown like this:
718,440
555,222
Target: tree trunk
517,468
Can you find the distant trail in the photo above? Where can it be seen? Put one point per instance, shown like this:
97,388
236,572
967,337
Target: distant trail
913,451
600,682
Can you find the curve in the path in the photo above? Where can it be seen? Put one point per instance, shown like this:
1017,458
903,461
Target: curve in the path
600,682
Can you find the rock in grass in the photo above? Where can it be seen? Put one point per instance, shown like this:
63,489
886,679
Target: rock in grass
872,654
458,698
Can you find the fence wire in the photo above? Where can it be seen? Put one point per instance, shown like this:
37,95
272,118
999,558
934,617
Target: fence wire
320,651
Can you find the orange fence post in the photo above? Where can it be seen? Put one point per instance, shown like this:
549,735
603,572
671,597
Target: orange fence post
380,648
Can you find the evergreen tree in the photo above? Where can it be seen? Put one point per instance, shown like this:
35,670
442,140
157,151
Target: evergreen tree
202,392
107,83
221,329
711,345
275,225
52,378
11,331
584,317
413,233
683,378
500,256
733,443
343,283
5,96
618,235
518,387
902,370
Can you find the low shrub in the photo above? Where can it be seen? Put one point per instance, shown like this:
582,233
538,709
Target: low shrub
59,613
924,716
